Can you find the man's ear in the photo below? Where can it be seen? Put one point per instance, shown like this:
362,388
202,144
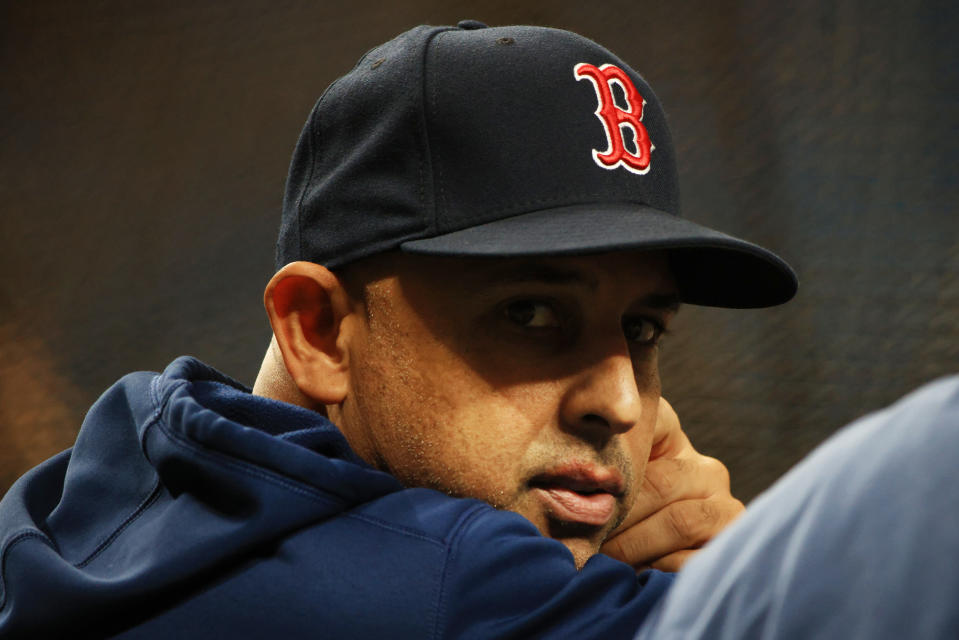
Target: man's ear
307,304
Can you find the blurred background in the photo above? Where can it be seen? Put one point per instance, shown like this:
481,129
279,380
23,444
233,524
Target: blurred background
144,148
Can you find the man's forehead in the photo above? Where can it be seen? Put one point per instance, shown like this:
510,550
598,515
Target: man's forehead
644,274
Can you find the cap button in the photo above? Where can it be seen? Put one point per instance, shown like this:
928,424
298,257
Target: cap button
470,25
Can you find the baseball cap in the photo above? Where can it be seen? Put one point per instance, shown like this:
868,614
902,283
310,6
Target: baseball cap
500,142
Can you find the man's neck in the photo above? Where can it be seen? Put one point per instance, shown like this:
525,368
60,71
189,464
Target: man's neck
274,381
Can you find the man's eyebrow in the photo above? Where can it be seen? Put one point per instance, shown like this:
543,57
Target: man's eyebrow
549,274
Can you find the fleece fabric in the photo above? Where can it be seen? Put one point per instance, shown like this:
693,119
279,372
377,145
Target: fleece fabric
189,507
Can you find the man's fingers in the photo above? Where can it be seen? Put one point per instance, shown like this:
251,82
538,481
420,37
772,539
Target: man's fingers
674,561
682,501
683,525
668,436
669,480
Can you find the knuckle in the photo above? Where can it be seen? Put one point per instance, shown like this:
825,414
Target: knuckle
716,469
734,508
720,469
629,547
659,483
710,514
681,521
694,521
614,548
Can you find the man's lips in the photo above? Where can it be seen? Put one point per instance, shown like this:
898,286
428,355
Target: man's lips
569,506
579,493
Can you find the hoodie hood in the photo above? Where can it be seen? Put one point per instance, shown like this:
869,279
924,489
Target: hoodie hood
191,471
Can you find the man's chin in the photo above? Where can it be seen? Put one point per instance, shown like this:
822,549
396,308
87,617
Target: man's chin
582,549
583,541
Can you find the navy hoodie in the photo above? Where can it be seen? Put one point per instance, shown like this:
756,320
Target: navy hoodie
189,507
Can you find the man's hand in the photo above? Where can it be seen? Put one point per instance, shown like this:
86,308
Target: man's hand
683,500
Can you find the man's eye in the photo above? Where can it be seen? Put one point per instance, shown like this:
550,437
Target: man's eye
642,330
532,314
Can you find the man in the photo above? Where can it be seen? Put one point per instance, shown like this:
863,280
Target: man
442,342
480,250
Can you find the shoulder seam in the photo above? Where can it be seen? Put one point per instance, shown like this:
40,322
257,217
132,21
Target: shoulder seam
391,526
105,543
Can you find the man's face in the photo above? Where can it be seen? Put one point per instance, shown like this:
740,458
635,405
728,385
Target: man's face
531,384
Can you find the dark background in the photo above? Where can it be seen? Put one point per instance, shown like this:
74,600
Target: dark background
144,147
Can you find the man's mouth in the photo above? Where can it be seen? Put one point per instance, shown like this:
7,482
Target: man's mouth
579,493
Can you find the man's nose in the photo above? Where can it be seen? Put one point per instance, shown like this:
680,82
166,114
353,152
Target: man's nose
604,397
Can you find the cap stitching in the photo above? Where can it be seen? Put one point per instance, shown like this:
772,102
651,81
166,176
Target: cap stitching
439,193
309,178
314,132
306,186
425,152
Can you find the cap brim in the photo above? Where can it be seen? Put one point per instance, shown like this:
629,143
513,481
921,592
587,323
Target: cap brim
711,268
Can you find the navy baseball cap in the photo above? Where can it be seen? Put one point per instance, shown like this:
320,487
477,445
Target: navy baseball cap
501,142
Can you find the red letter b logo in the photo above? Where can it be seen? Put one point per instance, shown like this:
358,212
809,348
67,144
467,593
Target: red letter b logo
616,120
